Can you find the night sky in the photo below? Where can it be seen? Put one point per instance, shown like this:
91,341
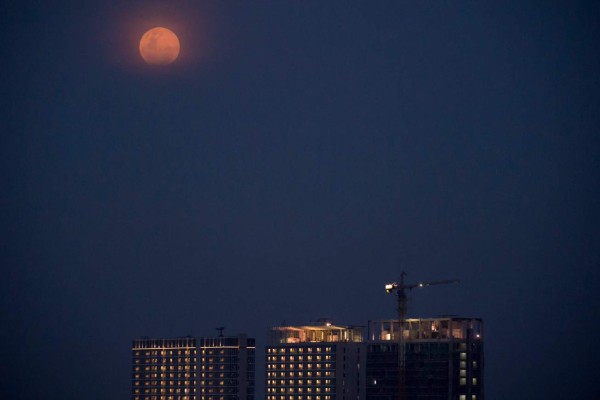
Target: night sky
294,159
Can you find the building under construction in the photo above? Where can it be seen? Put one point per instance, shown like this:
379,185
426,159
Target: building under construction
443,359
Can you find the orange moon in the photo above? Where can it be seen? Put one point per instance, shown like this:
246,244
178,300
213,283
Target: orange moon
159,46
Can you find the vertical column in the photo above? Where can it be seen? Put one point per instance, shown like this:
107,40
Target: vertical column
243,367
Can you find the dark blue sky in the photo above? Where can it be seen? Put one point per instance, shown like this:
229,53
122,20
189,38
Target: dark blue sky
296,158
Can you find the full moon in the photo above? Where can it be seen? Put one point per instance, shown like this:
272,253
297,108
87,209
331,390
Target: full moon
159,46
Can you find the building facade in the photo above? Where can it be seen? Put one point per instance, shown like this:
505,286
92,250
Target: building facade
315,362
190,368
444,359
164,369
226,367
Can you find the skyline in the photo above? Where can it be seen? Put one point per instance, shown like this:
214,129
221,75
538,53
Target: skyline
346,361
292,160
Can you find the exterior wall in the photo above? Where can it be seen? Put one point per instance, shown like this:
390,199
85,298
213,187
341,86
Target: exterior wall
226,366
351,371
322,362
444,359
382,371
164,369
305,371
193,369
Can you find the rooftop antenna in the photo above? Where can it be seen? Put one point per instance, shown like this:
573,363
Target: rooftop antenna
220,329
402,309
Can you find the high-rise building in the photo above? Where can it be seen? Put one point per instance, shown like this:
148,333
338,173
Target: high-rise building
315,362
164,369
190,368
444,359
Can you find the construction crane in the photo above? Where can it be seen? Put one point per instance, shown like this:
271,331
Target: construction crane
400,288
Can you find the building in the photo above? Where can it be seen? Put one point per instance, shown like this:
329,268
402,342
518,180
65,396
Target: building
444,359
315,362
190,368
164,369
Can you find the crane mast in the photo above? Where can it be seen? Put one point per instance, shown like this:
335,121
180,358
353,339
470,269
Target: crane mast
400,288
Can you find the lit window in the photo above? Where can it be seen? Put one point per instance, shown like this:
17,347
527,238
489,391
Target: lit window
463,381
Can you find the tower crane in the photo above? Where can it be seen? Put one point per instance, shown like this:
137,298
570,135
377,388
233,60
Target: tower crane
400,288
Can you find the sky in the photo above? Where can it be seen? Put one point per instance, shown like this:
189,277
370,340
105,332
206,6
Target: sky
294,159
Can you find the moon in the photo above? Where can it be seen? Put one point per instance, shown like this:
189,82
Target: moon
159,46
